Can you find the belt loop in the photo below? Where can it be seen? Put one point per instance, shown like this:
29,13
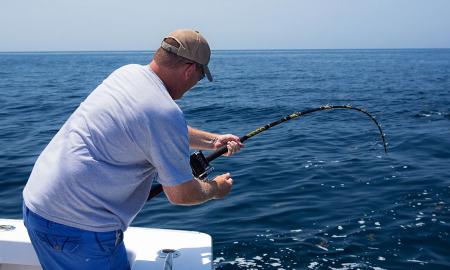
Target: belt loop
119,237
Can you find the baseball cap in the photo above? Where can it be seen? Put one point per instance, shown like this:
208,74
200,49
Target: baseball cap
193,46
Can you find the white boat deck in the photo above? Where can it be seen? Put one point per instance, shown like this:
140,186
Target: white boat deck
144,246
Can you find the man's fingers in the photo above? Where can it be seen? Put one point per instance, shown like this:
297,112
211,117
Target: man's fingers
224,184
231,141
230,181
233,147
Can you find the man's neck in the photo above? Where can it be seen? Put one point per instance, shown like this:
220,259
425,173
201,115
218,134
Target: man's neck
164,76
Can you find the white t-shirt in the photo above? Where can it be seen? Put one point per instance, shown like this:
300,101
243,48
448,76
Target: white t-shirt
96,173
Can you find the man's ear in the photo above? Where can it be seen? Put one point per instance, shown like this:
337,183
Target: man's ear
189,71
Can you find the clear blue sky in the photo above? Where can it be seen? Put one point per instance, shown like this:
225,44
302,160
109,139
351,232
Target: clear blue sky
49,25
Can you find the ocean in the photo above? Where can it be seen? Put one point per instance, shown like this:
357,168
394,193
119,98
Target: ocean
317,192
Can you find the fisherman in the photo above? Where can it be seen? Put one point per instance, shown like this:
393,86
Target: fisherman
96,173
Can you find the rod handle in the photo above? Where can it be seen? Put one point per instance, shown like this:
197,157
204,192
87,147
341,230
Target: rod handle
222,150
156,189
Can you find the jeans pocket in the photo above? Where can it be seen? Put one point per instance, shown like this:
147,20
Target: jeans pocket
59,243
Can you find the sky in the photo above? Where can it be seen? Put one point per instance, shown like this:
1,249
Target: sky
92,25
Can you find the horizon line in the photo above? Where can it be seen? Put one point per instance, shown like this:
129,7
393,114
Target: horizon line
219,50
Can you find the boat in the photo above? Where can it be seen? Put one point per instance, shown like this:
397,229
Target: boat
147,248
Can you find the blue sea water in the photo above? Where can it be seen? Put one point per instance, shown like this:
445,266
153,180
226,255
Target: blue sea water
317,192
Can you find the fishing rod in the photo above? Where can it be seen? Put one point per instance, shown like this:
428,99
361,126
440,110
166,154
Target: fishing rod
200,164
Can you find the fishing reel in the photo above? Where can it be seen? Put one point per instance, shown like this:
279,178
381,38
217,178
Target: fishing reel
200,166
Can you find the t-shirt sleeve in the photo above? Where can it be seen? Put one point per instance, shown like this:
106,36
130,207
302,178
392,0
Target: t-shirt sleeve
167,147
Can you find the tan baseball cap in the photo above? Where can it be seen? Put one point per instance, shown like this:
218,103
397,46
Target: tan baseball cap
193,46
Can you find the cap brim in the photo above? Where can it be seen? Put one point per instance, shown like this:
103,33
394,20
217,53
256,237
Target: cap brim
207,73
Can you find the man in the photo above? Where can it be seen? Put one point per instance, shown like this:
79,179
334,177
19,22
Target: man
95,175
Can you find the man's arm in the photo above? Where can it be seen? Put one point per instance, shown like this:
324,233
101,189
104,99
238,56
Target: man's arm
197,192
204,140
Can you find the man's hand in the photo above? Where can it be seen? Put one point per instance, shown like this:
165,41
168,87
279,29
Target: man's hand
199,139
223,184
231,141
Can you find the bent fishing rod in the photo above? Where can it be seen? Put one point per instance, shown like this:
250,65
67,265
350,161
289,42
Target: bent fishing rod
200,164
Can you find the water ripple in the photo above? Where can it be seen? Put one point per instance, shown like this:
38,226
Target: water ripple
317,192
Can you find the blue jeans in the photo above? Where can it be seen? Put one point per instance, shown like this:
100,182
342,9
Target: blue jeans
62,247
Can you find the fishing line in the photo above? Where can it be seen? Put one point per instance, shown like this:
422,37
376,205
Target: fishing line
200,164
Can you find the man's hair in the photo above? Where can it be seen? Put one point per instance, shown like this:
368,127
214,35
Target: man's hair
168,59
